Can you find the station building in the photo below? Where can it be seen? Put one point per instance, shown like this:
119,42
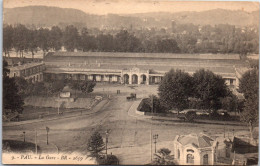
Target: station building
29,71
136,68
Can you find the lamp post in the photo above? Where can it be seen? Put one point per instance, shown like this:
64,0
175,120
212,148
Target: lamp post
155,137
47,129
36,147
58,107
24,136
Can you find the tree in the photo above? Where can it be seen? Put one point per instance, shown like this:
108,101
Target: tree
87,42
32,42
209,89
126,42
43,39
167,46
11,99
57,86
7,38
75,85
230,103
95,144
105,42
175,89
87,86
55,38
249,86
20,39
38,88
22,86
163,157
71,38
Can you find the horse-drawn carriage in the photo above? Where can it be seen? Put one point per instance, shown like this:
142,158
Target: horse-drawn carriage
131,97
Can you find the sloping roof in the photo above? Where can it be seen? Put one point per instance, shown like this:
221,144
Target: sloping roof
148,55
25,66
198,140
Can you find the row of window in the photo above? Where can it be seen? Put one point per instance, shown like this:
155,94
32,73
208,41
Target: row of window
32,70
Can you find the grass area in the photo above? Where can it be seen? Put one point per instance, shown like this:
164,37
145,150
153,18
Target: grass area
18,146
31,112
39,101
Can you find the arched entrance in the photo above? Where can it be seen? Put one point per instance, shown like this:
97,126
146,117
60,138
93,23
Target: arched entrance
134,79
190,159
206,159
143,78
126,79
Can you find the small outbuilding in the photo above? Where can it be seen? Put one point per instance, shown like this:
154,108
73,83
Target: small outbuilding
194,149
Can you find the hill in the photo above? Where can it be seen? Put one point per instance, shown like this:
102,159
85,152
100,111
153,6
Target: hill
43,16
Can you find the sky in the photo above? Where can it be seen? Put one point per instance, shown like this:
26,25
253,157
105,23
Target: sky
102,7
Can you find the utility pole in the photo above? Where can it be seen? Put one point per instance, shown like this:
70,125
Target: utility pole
224,130
155,137
24,136
36,141
152,104
106,142
151,141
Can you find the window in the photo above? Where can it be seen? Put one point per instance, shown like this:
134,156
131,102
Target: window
190,150
205,159
190,159
227,152
14,74
178,154
231,82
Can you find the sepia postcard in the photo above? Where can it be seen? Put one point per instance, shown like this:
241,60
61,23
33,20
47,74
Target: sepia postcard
119,82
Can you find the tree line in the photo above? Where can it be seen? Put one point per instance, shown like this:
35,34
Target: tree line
205,90
187,38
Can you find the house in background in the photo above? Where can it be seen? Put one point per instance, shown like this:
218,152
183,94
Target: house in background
29,71
194,149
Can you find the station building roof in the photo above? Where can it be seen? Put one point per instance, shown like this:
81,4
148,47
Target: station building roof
222,64
148,55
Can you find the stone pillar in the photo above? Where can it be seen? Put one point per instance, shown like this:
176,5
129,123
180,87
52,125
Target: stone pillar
122,79
147,79
139,78
130,79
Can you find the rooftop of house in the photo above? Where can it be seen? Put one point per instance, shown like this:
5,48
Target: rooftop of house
24,66
198,140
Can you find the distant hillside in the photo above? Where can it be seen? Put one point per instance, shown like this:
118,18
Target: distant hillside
211,17
43,16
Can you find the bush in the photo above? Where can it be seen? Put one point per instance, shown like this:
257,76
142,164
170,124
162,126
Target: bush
111,160
146,105
18,146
